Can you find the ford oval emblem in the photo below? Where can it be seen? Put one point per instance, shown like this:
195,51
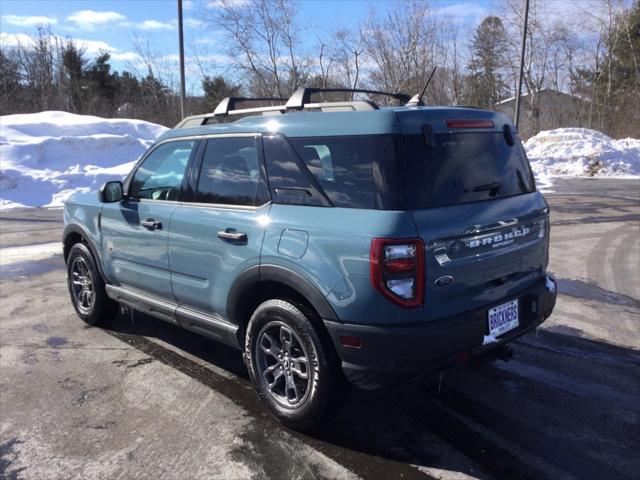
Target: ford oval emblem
456,247
443,281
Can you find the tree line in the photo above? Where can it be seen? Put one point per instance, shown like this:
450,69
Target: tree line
270,54
57,74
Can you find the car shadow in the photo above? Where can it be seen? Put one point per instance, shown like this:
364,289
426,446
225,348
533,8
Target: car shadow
539,404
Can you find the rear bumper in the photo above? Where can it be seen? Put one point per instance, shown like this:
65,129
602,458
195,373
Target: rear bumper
391,355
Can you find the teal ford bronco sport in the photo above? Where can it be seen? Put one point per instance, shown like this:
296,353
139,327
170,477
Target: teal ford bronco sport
334,243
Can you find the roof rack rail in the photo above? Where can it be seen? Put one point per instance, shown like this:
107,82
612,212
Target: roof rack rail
300,100
228,105
302,96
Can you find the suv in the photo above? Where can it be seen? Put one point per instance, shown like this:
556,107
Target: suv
334,243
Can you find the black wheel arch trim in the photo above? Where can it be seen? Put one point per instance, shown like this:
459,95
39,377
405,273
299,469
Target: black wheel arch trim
262,273
73,228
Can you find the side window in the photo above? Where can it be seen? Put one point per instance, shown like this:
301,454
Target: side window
232,173
343,166
161,173
318,160
290,182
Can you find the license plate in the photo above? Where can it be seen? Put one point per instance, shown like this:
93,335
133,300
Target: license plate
503,318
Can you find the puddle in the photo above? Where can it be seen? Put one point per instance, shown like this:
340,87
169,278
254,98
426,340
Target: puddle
31,268
8,455
56,341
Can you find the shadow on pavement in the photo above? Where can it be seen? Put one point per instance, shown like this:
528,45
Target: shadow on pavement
564,406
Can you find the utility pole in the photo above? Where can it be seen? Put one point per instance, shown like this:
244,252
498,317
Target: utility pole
181,39
516,117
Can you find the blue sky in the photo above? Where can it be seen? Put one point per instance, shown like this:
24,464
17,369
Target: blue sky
112,25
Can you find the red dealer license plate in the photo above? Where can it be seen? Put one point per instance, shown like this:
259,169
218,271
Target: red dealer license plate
503,318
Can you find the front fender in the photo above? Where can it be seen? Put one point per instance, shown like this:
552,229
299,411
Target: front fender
89,241
84,220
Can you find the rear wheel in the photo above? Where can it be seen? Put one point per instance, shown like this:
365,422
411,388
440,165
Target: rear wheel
295,372
86,287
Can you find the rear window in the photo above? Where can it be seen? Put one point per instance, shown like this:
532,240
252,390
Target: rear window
464,167
343,166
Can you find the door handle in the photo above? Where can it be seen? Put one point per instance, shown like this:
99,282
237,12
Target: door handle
232,235
151,224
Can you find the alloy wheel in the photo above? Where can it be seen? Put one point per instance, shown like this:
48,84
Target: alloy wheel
284,364
82,285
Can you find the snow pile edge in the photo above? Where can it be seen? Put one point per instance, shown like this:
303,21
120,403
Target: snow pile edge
48,156
580,152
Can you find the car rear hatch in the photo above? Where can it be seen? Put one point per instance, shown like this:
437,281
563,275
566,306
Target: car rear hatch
472,195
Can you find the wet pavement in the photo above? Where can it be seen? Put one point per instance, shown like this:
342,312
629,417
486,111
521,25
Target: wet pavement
144,399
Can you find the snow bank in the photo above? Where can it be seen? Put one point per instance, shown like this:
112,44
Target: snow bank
46,157
579,152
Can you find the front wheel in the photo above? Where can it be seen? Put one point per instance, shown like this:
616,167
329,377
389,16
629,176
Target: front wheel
296,374
86,287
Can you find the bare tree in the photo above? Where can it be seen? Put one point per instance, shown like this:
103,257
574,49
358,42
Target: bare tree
39,69
398,47
326,61
263,39
545,57
402,47
350,52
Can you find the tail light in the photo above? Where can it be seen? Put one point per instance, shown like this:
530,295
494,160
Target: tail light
397,270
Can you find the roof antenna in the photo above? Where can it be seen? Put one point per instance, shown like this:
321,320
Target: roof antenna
416,100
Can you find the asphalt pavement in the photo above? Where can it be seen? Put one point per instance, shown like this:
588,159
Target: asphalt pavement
142,399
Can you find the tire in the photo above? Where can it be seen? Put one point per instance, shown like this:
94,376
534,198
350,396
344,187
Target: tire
279,335
86,287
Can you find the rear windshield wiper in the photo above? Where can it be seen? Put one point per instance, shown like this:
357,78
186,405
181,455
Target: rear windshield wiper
493,188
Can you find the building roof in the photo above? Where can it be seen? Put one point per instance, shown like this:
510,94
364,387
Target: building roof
541,91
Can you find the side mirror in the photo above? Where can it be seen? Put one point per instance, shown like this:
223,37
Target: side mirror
111,192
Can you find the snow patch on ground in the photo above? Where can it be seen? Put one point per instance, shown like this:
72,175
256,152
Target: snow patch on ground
48,156
580,152
38,251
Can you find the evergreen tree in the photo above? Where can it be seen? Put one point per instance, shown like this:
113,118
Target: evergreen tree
486,83
156,100
10,87
102,83
128,94
215,89
74,64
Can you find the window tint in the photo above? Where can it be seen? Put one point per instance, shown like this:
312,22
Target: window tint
160,175
464,167
232,173
290,181
342,166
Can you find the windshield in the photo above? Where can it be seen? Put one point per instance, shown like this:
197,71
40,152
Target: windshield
464,167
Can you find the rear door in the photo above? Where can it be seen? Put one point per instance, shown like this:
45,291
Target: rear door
473,198
135,230
219,233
